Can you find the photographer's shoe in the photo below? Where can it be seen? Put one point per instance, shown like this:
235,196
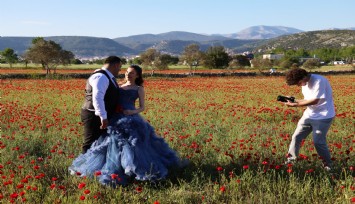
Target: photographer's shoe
290,161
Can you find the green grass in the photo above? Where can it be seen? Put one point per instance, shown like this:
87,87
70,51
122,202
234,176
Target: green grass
229,122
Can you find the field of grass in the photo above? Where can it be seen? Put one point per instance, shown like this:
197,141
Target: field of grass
232,130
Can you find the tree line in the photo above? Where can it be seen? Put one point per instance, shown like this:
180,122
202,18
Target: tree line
50,54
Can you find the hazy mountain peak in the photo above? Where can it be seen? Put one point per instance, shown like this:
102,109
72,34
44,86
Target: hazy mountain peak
263,32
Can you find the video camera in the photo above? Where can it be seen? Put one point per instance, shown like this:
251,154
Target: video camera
285,98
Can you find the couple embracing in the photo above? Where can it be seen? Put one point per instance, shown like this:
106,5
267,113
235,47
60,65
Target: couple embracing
119,145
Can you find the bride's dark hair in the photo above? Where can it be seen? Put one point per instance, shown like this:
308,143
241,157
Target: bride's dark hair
139,81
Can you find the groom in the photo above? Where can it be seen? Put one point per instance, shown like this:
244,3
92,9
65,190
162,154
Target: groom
101,96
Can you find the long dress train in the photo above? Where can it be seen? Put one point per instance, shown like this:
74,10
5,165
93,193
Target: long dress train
129,149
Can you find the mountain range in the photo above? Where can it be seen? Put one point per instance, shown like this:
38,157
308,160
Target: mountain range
253,38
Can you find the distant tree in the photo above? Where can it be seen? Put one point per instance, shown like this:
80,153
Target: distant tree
150,59
326,54
239,61
49,54
160,63
242,60
168,59
76,61
9,56
216,57
123,60
348,54
192,56
98,61
311,64
261,64
24,61
288,62
136,60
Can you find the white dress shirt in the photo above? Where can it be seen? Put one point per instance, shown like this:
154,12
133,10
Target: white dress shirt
99,83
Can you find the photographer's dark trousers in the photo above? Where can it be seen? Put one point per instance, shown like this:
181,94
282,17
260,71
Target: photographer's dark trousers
92,129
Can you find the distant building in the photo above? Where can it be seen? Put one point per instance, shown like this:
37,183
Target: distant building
273,56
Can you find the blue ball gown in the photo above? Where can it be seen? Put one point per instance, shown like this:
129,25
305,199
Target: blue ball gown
129,150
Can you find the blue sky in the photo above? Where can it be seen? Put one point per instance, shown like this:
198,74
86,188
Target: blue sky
117,18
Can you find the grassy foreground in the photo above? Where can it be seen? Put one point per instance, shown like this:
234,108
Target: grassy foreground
232,130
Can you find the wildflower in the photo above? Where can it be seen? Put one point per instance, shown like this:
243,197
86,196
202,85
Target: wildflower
114,176
139,189
82,197
219,168
25,180
222,189
97,173
14,195
52,186
20,185
245,167
309,171
87,191
81,185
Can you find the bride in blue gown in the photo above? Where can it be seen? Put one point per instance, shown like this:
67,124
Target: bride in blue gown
130,149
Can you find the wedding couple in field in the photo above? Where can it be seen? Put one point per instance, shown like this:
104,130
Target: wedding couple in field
119,145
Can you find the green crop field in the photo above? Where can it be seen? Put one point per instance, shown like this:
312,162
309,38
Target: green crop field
231,129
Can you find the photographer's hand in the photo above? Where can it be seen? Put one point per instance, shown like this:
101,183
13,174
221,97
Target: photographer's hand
291,104
300,103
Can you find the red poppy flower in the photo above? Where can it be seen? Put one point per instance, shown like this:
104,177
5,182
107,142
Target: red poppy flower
139,189
81,185
114,176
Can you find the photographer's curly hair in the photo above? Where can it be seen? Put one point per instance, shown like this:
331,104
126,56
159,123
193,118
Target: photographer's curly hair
139,81
295,75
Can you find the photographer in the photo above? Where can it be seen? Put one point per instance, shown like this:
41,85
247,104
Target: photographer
317,117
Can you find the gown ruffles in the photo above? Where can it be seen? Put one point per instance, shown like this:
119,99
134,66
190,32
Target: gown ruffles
129,150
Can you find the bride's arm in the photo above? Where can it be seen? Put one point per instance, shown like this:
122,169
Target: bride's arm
141,97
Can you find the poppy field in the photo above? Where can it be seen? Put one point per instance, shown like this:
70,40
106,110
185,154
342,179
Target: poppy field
231,129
